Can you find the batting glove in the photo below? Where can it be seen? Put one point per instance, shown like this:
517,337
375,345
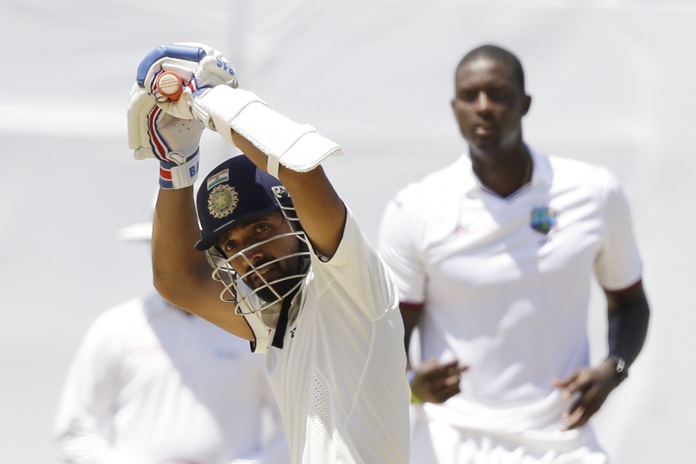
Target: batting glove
166,129
154,133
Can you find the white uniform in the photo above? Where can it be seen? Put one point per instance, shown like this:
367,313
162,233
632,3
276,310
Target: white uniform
152,384
339,380
507,300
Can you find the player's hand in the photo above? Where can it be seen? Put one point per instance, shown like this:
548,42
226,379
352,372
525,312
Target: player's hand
200,68
153,133
434,382
590,387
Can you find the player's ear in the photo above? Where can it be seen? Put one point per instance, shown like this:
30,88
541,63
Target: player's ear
526,104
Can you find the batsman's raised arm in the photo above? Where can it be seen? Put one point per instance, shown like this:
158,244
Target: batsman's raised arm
181,273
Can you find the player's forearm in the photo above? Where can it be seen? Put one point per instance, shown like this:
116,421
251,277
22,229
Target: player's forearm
628,324
627,330
177,267
410,315
319,208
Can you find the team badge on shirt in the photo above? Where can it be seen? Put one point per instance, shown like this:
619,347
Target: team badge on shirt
222,201
543,219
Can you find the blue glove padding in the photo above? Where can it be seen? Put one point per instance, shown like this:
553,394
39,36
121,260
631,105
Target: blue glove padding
200,67
153,133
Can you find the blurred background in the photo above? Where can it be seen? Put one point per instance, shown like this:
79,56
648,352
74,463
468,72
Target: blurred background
612,82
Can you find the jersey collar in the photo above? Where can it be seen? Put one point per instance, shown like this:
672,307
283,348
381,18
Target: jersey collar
541,172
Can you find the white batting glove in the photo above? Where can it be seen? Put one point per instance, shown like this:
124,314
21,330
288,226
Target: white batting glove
163,127
153,133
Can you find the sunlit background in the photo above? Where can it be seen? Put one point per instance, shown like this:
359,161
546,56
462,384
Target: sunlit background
612,82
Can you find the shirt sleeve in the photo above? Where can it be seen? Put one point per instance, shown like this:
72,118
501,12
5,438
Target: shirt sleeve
398,246
618,264
357,275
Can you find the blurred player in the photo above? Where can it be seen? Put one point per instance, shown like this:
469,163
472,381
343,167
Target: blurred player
293,272
494,257
153,384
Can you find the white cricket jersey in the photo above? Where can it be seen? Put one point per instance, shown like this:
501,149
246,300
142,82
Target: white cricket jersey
507,280
339,379
151,384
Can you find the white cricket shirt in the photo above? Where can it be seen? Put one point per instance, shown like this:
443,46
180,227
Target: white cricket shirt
339,379
502,294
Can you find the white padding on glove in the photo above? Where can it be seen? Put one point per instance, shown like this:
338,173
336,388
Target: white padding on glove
153,133
298,147
141,103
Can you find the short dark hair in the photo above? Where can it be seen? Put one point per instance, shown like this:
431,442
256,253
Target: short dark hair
499,55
